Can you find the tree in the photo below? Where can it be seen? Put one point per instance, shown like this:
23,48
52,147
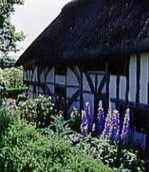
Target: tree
7,62
8,35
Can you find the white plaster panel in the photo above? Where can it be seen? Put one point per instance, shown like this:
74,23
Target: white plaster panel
144,78
112,86
51,88
29,75
71,91
50,76
104,89
42,76
60,79
100,78
24,75
122,88
132,78
71,78
92,76
86,86
35,76
77,69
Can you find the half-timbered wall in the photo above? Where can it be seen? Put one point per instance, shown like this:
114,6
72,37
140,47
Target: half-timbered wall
79,85
136,83
133,86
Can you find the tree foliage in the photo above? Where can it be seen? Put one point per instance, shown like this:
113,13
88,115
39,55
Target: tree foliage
7,62
8,35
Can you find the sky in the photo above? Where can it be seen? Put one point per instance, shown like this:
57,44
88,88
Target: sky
33,17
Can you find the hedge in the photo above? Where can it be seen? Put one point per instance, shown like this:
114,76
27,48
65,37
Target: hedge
25,149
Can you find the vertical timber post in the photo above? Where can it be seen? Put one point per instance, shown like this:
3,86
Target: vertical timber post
65,98
108,81
147,136
81,89
95,97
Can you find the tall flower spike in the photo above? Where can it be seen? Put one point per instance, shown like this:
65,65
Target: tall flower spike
87,109
100,120
115,126
106,131
84,124
126,127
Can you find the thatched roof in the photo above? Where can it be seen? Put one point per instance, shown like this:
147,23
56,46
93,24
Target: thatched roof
88,29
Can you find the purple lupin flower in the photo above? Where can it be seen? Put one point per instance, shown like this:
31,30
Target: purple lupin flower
87,109
106,131
125,128
100,120
84,124
115,126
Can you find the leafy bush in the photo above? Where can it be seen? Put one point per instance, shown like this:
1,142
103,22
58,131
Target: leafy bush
60,126
25,149
6,118
3,82
11,77
74,138
6,62
38,110
113,155
21,98
75,120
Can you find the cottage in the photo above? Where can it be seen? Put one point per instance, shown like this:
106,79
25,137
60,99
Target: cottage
94,49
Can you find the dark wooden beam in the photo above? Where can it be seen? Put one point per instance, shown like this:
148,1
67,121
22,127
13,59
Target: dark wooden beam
81,91
76,73
96,96
102,83
90,82
73,98
65,98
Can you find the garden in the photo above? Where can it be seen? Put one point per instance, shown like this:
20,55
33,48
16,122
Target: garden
34,136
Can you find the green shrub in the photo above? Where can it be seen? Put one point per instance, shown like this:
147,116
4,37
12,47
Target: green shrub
13,77
25,149
75,120
123,159
7,117
38,110
3,81
21,98
60,126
